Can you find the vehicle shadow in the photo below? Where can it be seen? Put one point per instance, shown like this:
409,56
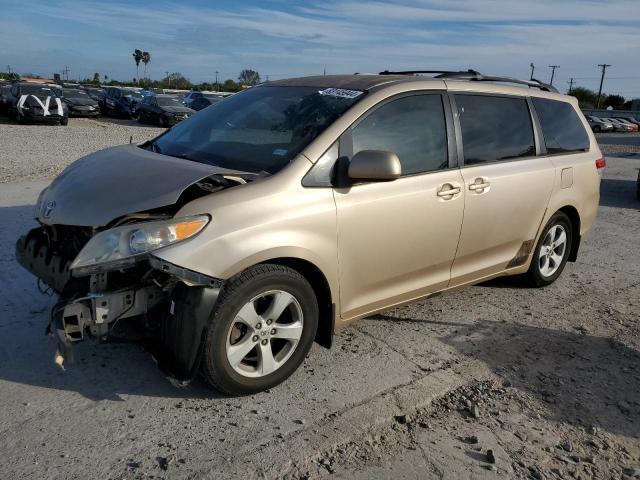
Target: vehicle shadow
99,372
584,380
618,193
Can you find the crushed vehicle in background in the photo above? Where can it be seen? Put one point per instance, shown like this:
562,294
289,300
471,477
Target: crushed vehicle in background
29,102
120,102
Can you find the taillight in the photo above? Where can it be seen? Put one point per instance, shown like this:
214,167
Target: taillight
600,164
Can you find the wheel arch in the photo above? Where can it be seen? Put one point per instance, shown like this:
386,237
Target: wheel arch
322,290
574,217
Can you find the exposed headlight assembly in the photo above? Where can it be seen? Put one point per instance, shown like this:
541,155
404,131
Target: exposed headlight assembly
123,246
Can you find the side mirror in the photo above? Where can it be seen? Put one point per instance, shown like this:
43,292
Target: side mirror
374,166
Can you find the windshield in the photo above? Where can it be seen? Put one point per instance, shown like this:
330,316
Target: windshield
131,93
74,94
39,91
169,102
260,129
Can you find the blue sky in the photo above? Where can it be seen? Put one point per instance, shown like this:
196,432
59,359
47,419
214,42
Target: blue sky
290,38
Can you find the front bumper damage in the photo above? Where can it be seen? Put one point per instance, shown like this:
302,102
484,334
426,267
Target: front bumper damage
163,306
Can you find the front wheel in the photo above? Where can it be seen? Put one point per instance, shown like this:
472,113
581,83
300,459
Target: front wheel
597,129
64,121
262,328
552,251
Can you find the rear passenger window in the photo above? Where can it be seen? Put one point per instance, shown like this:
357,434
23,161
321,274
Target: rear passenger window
561,127
411,127
494,128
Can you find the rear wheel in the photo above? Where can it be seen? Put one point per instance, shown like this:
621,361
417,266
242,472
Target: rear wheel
261,330
552,251
597,129
64,121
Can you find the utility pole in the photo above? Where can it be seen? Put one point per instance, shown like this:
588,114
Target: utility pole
570,82
9,69
604,68
533,67
217,86
168,79
65,72
553,72
324,71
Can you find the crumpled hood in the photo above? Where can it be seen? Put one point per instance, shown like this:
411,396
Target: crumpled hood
178,109
105,185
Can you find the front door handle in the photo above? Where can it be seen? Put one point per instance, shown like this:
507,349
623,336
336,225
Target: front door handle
479,185
447,191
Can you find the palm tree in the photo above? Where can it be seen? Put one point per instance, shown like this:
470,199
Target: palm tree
146,58
137,56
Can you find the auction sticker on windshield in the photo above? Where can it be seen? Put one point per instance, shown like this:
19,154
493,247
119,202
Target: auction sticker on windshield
340,92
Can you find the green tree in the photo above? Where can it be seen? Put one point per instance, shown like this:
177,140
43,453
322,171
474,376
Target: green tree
586,98
249,77
146,58
230,86
176,80
137,57
96,78
614,101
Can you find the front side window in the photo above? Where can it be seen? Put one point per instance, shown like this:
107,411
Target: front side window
562,129
412,127
494,128
258,130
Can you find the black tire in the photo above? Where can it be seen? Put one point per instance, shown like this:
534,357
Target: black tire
64,121
236,292
161,122
597,129
534,276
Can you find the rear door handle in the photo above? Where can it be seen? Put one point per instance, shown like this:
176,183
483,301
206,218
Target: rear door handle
479,185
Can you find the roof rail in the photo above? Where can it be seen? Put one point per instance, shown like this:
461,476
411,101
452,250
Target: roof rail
474,75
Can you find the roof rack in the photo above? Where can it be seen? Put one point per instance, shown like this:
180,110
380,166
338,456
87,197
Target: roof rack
474,75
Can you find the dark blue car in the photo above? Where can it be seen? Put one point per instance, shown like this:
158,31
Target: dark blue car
120,102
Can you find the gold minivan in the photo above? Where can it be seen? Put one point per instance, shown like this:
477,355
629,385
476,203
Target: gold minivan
234,240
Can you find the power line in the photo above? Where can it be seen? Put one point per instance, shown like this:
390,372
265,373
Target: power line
604,69
553,72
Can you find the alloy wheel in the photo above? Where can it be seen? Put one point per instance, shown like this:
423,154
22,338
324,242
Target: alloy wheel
552,250
264,333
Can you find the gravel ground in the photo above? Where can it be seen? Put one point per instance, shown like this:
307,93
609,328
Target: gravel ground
492,381
42,151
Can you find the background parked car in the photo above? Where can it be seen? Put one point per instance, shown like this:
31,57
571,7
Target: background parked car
598,124
203,102
163,110
79,102
634,127
36,103
4,98
97,94
121,102
193,96
632,120
619,126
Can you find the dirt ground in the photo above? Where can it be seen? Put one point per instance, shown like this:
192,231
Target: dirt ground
493,381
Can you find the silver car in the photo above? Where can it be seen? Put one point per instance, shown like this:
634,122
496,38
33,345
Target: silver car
597,124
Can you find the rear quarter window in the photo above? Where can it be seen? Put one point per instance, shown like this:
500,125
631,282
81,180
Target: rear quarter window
562,129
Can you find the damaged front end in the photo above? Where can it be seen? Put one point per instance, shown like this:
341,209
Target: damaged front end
144,299
110,285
